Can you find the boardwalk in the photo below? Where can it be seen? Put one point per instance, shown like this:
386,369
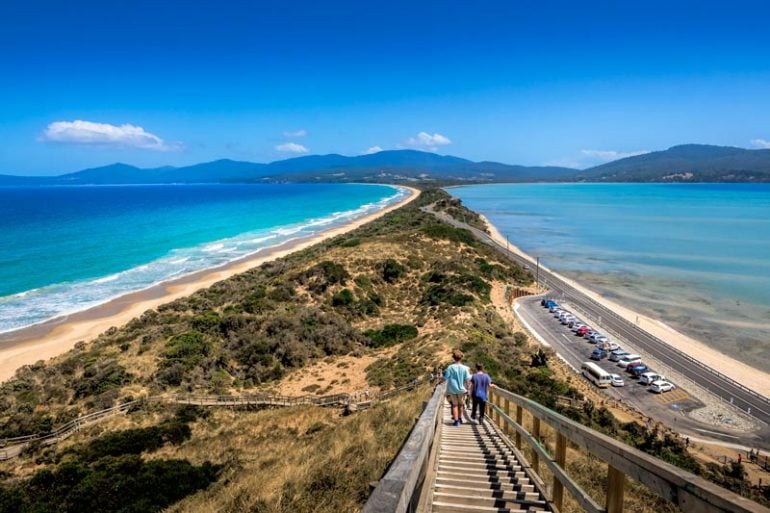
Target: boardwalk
12,447
477,472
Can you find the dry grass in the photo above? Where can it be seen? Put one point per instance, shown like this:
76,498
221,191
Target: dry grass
297,459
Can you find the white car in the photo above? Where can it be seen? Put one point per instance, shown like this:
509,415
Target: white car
617,380
567,319
648,378
594,337
576,326
660,386
618,354
629,359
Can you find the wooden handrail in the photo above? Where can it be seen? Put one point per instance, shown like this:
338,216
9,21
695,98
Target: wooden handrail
688,491
398,490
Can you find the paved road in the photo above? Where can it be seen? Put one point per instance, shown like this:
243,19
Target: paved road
747,400
668,408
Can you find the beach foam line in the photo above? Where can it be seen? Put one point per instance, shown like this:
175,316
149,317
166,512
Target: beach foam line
41,305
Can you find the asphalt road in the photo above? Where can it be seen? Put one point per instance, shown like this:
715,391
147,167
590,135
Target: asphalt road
742,397
668,408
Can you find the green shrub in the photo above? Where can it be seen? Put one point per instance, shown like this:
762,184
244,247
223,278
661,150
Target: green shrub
206,322
125,483
438,294
99,378
391,334
187,349
343,298
450,233
392,270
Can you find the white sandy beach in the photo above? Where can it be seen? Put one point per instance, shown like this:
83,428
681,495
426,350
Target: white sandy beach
750,377
42,342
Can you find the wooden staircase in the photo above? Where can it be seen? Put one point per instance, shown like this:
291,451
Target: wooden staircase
476,471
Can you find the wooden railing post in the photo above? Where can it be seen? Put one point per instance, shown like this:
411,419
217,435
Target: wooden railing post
536,436
507,408
560,458
491,412
519,419
616,481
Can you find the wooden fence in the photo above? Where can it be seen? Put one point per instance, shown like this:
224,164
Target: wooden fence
12,447
688,491
400,488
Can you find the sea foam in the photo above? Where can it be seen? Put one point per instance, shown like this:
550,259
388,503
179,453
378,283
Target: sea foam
31,307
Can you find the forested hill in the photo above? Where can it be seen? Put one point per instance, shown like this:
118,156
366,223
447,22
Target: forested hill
385,166
686,163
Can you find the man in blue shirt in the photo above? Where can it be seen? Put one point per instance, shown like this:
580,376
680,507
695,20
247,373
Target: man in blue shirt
456,377
480,383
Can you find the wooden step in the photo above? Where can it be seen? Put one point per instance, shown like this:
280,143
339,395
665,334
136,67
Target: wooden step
478,466
491,502
472,491
451,480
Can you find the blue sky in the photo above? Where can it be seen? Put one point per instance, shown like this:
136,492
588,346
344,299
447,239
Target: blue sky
157,83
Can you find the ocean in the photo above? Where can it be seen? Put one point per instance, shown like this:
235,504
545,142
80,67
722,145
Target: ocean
65,249
695,256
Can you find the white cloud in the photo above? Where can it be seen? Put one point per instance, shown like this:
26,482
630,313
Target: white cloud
426,141
291,147
373,149
104,134
297,133
610,155
761,144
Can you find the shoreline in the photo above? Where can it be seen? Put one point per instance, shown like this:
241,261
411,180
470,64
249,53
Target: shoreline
51,338
722,363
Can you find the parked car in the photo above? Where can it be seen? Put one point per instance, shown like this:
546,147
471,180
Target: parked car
573,322
618,354
566,319
559,312
608,345
637,369
598,354
649,377
594,337
548,303
617,380
629,359
660,386
583,330
553,307
576,326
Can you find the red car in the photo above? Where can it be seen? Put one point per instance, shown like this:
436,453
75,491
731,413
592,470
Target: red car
583,330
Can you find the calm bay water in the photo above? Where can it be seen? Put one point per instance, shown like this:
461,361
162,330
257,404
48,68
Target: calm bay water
696,256
63,249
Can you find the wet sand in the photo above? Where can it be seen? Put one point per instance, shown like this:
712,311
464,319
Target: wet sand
51,338
749,376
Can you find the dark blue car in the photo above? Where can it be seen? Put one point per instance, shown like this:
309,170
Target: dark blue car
598,354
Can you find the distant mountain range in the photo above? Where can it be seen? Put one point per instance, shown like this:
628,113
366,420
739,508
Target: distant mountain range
687,163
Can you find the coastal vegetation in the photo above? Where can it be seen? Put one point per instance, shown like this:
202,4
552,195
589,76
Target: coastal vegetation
399,293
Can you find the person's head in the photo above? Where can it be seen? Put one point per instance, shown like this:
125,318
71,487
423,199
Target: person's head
457,355
479,367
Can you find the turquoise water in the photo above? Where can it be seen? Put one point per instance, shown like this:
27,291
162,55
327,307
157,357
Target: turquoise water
696,256
64,249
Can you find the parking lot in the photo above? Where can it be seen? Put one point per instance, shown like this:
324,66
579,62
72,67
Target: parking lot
666,407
